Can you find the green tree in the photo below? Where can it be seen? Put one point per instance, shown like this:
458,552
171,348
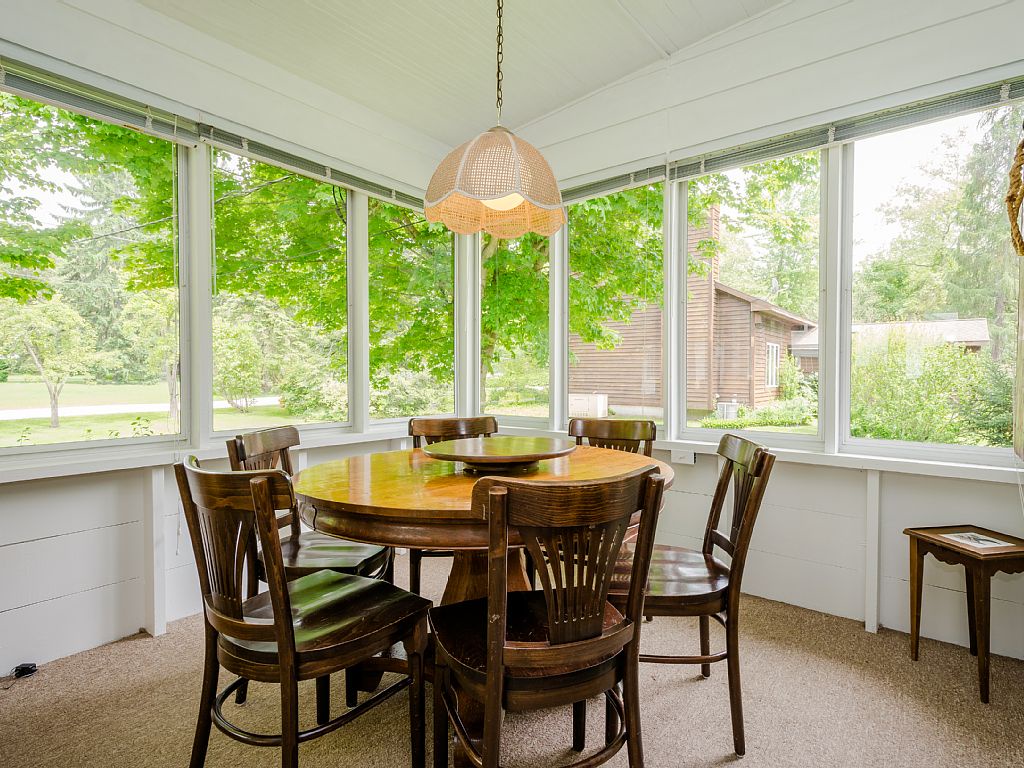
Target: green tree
238,374
150,320
54,337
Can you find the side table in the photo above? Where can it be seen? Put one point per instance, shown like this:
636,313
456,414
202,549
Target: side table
982,553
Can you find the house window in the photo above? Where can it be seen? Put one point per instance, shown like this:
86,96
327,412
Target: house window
615,305
412,314
933,339
280,304
514,326
771,366
752,297
88,279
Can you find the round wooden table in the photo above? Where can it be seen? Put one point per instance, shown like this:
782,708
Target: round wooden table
407,499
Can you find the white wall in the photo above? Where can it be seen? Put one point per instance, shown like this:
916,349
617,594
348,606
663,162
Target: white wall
805,63
810,544
76,559
198,77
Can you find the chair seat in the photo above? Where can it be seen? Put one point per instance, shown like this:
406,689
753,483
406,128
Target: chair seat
330,611
460,630
677,575
310,552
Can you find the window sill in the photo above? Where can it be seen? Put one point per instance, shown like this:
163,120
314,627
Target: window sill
1008,472
87,460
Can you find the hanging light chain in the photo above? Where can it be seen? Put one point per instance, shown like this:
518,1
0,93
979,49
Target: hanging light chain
500,56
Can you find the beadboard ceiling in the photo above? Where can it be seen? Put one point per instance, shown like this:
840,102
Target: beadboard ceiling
429,64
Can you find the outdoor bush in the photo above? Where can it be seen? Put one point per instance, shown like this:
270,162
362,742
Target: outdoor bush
796,411
238,372
790,378
936,393
314,393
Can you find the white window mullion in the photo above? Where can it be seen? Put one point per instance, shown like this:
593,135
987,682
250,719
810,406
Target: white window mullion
467,325
674,235
558,330
195,255
833,397
357,227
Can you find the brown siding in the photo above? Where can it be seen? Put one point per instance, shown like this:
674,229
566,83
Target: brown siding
732,349
630,374
767,330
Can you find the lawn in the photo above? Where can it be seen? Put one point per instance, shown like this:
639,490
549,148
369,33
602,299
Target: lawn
32,394
102,427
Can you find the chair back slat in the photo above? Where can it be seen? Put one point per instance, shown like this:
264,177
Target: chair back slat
435,430
222,522
630,435
746,469
573,531
267,449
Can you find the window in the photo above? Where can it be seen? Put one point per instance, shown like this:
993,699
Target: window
933,338
280,304
412,314
514,326
615,305
771,377
88,279
752,297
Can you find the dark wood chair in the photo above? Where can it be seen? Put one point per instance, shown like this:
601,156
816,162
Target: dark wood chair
562,643
435,430
683,582
300,629
304,552
631,435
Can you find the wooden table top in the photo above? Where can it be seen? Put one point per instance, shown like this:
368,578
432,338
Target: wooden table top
499,449
939,536
412,486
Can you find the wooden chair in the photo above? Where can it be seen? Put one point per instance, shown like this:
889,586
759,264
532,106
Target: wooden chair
304,552
436,430
306,628
562,643
630,435
687,583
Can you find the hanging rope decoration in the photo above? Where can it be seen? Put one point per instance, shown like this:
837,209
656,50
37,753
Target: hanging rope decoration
1015,197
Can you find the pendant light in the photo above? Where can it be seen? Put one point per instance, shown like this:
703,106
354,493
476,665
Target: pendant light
495,183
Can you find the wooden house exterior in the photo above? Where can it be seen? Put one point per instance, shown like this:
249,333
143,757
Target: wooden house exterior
728,338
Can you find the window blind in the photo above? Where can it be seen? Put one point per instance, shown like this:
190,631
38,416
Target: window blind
613,184
850,129
37,84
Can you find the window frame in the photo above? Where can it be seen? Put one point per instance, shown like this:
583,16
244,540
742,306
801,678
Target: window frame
820,441
179,158
773,358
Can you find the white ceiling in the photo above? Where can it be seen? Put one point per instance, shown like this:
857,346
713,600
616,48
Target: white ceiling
430,64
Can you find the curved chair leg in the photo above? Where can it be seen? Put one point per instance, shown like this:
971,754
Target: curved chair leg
631,698
415,561
351,687
705,643
611,722
242,692
415,645
206,698
389,569
290,723
735,696
440,718
579,725
323,699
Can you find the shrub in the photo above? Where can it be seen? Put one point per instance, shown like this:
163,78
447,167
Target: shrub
314,393
796,411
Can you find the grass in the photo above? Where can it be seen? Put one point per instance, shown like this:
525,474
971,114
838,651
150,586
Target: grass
33,394
81,428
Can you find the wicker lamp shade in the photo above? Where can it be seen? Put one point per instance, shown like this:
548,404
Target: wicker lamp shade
495,183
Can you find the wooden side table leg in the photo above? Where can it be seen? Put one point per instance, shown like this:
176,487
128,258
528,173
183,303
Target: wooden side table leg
972,620
982,594
916,580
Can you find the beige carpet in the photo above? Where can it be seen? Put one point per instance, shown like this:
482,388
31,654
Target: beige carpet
819,691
